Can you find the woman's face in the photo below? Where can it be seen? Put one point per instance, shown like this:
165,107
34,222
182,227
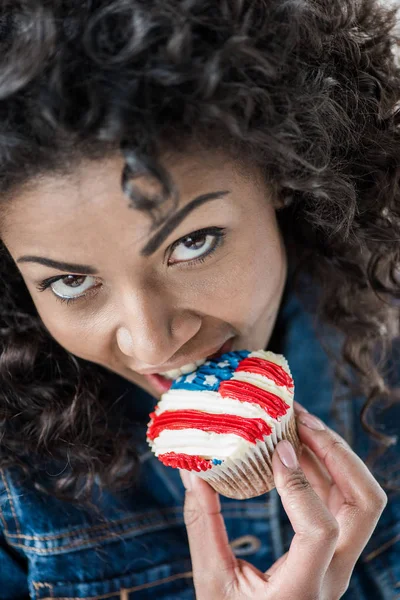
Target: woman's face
142,302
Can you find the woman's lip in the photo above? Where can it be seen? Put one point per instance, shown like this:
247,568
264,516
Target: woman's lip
159,383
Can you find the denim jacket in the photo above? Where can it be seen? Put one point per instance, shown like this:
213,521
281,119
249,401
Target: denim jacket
135,545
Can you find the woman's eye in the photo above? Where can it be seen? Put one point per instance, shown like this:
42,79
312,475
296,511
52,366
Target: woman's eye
196,246
193,247
72,286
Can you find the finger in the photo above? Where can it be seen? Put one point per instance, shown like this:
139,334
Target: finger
316,473
213,561
363,498
315,528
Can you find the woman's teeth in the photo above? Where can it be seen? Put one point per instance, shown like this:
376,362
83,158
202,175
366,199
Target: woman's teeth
175,373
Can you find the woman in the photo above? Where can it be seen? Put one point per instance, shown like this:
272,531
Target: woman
178,179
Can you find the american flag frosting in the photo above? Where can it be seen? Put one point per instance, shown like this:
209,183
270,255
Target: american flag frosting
224,406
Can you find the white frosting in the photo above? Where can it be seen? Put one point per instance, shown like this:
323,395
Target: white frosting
194,442
210,402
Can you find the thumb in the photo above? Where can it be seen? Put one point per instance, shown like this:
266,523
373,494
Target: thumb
208,539
316,529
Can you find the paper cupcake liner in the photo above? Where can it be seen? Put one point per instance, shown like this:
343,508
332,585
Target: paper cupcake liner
251,474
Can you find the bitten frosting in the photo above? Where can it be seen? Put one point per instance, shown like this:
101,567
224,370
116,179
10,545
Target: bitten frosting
216,411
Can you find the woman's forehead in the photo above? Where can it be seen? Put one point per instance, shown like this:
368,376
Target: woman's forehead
94,182
67,208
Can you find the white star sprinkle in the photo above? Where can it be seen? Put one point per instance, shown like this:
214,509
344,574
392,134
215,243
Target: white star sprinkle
223,364
210,380
190,378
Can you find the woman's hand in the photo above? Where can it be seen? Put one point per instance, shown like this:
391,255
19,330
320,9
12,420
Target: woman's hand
333,503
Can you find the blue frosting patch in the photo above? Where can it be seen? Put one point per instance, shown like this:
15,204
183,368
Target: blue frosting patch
216,461
210,375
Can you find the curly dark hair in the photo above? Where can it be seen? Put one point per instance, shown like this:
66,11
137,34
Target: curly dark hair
308,90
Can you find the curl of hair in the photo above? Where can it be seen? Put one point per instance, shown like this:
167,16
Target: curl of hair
308,90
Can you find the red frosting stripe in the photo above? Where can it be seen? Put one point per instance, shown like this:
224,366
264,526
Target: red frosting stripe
269,369
249,429
247,392
185,461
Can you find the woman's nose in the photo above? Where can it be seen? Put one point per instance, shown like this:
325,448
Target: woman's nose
154,329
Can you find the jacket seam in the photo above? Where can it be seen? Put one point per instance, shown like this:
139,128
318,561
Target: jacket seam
381,548
10,500
136,588
143,586
81,543
3,520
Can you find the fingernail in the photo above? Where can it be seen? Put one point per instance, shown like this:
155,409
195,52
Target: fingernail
310,421
187,479
287,454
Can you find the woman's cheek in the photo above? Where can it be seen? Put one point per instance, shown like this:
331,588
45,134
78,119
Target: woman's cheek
76,334
259,272
243,286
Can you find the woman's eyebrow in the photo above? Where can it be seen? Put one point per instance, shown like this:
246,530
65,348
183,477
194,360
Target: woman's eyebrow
62,266
155,242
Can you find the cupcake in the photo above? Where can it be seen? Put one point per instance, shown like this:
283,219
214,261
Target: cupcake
224,420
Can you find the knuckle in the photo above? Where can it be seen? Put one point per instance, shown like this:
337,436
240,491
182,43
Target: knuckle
382,498
372,502
377,500
191,516
332,530
327,531
296,482
337,444
334,445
